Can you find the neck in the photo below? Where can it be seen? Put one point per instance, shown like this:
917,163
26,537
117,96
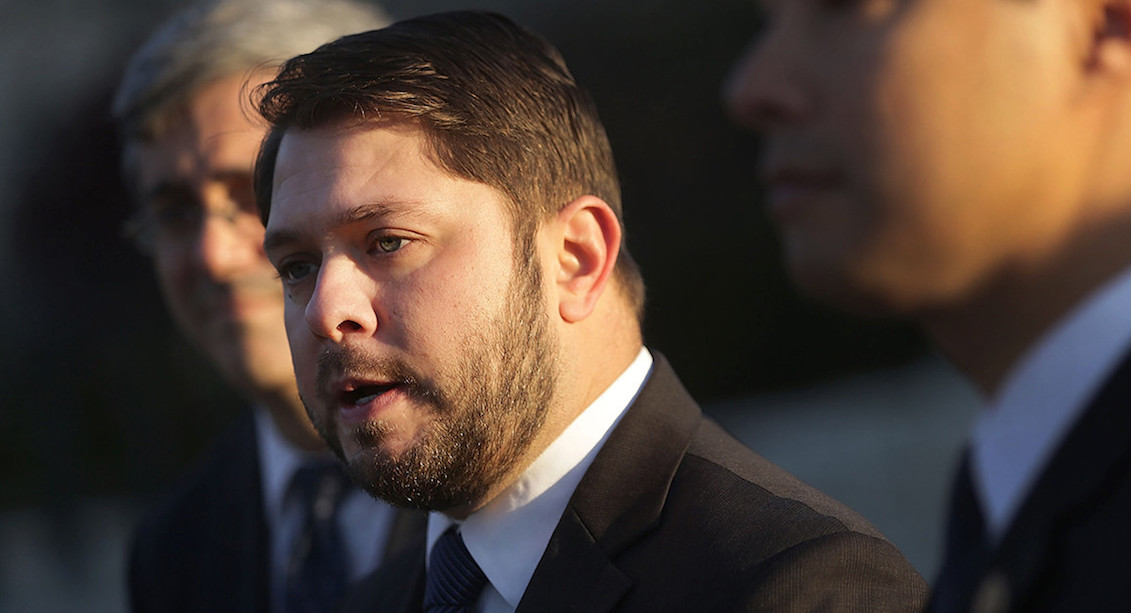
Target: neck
289,416
987,332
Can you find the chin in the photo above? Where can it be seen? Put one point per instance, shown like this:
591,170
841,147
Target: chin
369,443
355,454
855,294
366,456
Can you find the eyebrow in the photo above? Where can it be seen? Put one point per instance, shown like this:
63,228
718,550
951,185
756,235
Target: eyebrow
178,185
283,236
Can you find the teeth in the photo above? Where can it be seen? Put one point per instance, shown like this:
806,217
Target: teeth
366,399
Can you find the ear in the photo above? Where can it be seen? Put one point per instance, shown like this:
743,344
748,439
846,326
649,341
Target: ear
1111,46
587,246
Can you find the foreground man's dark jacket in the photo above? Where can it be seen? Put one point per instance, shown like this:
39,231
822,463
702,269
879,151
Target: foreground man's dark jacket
676,515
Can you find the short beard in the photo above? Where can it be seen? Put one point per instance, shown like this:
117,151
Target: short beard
485,414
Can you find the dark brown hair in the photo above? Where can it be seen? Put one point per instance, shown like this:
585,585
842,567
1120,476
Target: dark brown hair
495,101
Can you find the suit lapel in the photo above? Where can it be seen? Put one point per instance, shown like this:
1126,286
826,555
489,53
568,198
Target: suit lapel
1094,449
618,501
397,588
404,592
574,573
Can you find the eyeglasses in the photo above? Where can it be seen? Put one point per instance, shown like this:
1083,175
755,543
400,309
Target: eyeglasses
174,223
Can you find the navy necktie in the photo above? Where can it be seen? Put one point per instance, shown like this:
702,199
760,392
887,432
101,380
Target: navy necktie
317,571
454,580
967,548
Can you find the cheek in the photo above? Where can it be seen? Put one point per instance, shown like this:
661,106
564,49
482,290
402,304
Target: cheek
456,289
304,365
171,269
911,160
176,280
429,318
302,343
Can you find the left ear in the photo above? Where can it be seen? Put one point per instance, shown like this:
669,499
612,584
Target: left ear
587,243
1111,43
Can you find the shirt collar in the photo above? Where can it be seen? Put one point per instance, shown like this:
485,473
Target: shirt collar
508,536
1043,396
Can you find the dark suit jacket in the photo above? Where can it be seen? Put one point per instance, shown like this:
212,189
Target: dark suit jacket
205,547
1069,547
676,515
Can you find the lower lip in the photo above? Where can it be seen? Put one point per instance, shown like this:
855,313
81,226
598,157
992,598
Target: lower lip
353,414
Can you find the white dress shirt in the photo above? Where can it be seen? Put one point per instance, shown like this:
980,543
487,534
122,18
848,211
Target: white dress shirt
508,536
364,521
1042,398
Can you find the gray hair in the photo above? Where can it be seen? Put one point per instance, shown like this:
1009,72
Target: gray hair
215,39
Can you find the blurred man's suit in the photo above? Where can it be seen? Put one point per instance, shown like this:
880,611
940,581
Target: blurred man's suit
205,547
1071,525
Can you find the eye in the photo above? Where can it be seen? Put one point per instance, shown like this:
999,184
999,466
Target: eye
389,244
173,216
295,272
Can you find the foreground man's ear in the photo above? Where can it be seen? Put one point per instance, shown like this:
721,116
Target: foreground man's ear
588,242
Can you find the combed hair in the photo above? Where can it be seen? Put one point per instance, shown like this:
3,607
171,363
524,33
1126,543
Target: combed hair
495,102
215,39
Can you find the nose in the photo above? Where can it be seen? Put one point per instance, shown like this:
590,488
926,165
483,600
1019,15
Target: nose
764,90
342,303
228,241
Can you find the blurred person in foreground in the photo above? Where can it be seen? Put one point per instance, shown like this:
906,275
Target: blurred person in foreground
442,206
266,522
965,164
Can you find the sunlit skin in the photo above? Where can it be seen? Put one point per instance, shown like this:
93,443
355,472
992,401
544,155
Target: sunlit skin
351,222
386,255
951,161
223,293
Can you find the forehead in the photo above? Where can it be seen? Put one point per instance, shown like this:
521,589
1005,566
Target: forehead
210,135
323,174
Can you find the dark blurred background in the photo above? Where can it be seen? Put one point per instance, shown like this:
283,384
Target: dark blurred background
103,404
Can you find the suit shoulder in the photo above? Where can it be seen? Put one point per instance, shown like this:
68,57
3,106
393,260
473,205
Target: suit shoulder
222,486
202,545
771,542
232,460
716,457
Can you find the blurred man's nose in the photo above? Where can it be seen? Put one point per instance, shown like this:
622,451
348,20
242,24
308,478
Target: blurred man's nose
228,238
764,90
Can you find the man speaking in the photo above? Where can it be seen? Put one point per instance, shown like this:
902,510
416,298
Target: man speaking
443,209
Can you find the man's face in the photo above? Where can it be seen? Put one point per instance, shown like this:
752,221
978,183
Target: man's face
421,343
916,150
206,237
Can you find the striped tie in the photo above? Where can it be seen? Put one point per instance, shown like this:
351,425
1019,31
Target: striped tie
454,580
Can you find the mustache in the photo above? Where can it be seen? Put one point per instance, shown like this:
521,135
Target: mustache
340,362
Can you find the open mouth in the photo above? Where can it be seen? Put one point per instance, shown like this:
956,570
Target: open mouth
364,394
